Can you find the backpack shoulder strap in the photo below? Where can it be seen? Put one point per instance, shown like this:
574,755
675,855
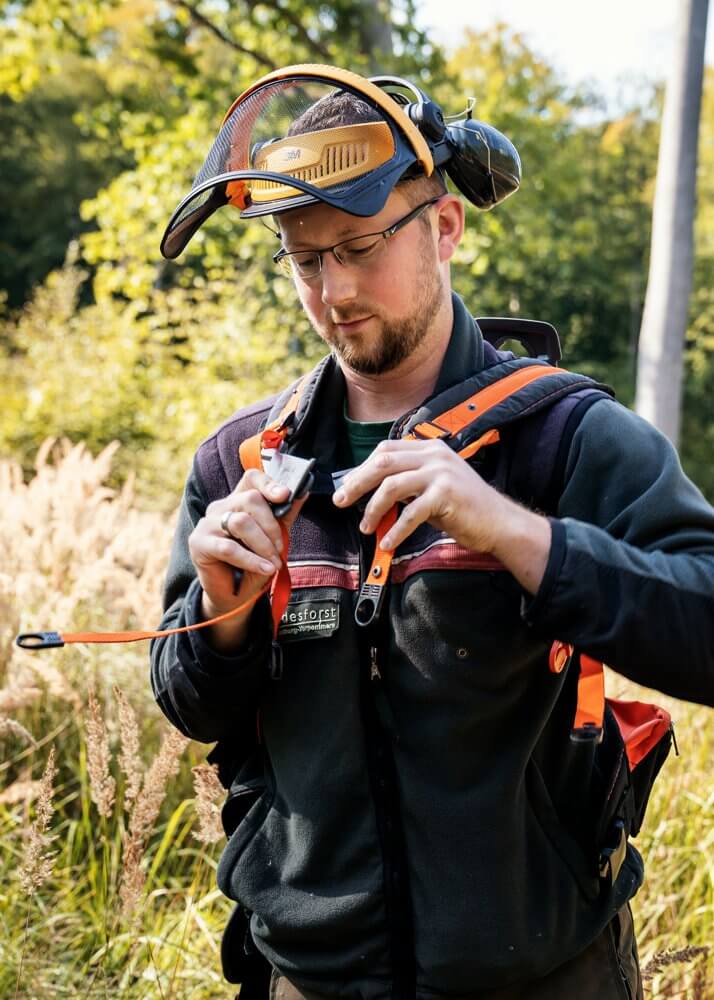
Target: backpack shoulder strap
493,399
533,465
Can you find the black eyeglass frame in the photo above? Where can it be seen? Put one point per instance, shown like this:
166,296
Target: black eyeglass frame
284,255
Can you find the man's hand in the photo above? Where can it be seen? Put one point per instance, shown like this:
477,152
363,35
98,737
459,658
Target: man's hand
256,550
437,486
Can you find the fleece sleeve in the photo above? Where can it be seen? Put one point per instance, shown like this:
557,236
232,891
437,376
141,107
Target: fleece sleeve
205,694
630,577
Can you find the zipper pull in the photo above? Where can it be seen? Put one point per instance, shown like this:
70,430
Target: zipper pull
374,672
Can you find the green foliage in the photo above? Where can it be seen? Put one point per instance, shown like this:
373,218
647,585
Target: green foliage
128,96
157,373
570,246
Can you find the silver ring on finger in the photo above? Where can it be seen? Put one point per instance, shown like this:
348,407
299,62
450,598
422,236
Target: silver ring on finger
225,518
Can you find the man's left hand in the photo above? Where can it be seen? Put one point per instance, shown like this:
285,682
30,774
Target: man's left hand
438,486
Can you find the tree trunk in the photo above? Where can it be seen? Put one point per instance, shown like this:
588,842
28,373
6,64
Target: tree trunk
664,323
376,33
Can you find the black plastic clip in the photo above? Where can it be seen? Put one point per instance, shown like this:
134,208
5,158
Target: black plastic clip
369,603
589,733
293,472
39,640
613,854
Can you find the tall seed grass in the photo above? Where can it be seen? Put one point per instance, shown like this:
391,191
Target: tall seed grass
111,893
126,839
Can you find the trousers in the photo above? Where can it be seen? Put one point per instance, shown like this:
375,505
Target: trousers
608,969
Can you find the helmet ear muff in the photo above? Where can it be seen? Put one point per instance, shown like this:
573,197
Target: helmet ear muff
428,118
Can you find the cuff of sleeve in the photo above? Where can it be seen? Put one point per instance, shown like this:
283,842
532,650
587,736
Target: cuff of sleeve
202,653
532,607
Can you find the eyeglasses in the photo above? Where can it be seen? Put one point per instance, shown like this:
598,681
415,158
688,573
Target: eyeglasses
360,251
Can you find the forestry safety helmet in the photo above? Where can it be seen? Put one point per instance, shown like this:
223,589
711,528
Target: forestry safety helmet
313,133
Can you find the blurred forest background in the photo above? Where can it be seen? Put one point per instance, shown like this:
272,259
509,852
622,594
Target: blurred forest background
107,108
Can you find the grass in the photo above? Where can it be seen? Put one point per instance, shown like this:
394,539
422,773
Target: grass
126,906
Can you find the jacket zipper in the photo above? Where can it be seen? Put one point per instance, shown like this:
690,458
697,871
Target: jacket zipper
380,738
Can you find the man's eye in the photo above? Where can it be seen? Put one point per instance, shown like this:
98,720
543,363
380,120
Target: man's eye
305,261
361,248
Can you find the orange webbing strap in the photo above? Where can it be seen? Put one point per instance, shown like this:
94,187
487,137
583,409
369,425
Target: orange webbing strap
372,593
590,708
47,640
458,417
490,437
590,711
273,435
446,424
250,454
281,588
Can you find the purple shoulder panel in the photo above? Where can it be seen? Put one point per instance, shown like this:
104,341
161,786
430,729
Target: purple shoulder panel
217,457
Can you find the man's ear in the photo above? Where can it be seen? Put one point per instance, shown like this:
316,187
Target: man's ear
450,223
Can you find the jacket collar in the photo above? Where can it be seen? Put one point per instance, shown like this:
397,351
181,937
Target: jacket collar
465,353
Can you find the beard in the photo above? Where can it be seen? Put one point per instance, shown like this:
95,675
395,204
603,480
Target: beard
398,338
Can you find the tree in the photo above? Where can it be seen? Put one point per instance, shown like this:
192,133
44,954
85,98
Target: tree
569,246
660,356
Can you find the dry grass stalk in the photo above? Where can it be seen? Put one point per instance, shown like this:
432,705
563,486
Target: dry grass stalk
16,729
76,555
662,959
36,866
20,791
101,782
144,814
12,699
129,754
209,798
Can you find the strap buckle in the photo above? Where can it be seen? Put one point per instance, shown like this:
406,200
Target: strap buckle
39,640
369,603
612,855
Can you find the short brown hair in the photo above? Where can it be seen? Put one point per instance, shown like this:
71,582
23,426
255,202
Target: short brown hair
344,108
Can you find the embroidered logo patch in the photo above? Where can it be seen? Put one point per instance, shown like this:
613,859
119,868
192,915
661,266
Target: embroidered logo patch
310,620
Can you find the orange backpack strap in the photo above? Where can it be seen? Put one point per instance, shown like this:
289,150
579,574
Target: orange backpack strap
443,426
454,420
590,709
274,433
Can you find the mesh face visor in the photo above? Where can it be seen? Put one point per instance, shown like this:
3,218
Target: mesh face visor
299,136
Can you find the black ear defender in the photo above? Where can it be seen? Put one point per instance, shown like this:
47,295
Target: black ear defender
482,163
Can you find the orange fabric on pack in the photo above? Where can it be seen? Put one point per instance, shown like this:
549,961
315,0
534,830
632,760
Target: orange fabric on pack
642,726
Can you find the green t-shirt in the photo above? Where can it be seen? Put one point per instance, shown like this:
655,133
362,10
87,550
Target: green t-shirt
360,439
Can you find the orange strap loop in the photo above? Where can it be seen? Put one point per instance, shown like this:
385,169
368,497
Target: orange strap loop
590,711
373,589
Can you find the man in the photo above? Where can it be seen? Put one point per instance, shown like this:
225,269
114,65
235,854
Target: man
412,819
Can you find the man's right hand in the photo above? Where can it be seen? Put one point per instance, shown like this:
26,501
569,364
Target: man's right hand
256,550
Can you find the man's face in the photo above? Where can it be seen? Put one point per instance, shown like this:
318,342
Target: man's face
375,315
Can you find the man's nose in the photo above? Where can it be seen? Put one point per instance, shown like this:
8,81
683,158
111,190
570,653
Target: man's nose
339,282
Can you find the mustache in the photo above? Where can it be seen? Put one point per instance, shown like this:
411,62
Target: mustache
349,316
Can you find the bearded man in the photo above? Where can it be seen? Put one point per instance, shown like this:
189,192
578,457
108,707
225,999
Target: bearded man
414,814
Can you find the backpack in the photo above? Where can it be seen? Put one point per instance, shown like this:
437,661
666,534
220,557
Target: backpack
533,408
